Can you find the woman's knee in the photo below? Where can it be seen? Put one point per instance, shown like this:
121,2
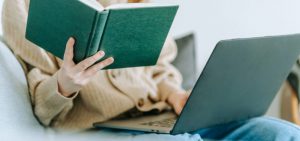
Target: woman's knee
273,123
271,128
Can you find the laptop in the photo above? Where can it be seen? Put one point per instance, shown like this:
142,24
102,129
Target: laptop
239,81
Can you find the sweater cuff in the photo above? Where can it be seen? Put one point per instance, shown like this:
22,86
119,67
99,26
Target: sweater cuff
52,96
60,95
167,88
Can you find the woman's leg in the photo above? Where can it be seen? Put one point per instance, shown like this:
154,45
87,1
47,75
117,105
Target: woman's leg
256,129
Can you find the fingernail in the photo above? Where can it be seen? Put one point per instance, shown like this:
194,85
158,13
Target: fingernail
72,39
102,53
111,59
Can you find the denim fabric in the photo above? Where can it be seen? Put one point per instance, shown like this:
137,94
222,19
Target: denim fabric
256,129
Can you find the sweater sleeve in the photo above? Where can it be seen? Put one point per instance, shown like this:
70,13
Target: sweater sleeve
47,101
294,78
40,67
168,78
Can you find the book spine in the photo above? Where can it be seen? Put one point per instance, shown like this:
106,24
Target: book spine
99,25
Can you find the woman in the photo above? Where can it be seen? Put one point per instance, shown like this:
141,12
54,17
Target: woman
74,96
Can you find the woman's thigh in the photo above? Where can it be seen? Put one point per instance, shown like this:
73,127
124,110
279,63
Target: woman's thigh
261,128
255,129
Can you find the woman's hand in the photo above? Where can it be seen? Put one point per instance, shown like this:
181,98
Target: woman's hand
72,77
177,101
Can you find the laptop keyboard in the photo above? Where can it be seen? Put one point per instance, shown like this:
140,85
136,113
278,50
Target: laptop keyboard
161,123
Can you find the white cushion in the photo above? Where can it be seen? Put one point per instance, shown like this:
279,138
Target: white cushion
17,115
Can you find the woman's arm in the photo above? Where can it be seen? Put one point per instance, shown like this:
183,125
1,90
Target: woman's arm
169,78
53,94
52,88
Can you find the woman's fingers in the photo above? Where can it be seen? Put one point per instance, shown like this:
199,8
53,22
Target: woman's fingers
178,108
92,70
72,77
178,101
83,65
68,55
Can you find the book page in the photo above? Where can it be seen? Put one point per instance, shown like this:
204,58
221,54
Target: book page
138,5
93,4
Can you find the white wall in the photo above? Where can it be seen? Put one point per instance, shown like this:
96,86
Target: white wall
213,20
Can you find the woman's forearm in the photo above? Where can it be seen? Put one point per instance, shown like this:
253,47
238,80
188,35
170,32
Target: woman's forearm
47,102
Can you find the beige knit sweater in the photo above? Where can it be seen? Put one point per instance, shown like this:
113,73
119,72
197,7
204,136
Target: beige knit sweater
109,94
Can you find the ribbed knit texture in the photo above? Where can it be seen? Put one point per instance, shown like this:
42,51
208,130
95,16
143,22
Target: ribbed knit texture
109,94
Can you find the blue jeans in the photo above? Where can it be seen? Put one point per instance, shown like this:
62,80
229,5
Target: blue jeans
255,129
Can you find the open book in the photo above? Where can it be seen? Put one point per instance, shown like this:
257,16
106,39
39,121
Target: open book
97,6
133,34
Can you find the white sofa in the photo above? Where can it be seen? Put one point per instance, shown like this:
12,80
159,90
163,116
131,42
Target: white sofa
17,121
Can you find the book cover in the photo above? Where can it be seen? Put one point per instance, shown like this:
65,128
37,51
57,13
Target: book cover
133,34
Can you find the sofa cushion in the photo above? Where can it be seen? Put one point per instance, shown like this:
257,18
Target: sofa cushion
186,60
14,99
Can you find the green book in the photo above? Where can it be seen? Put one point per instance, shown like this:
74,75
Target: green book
133,34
